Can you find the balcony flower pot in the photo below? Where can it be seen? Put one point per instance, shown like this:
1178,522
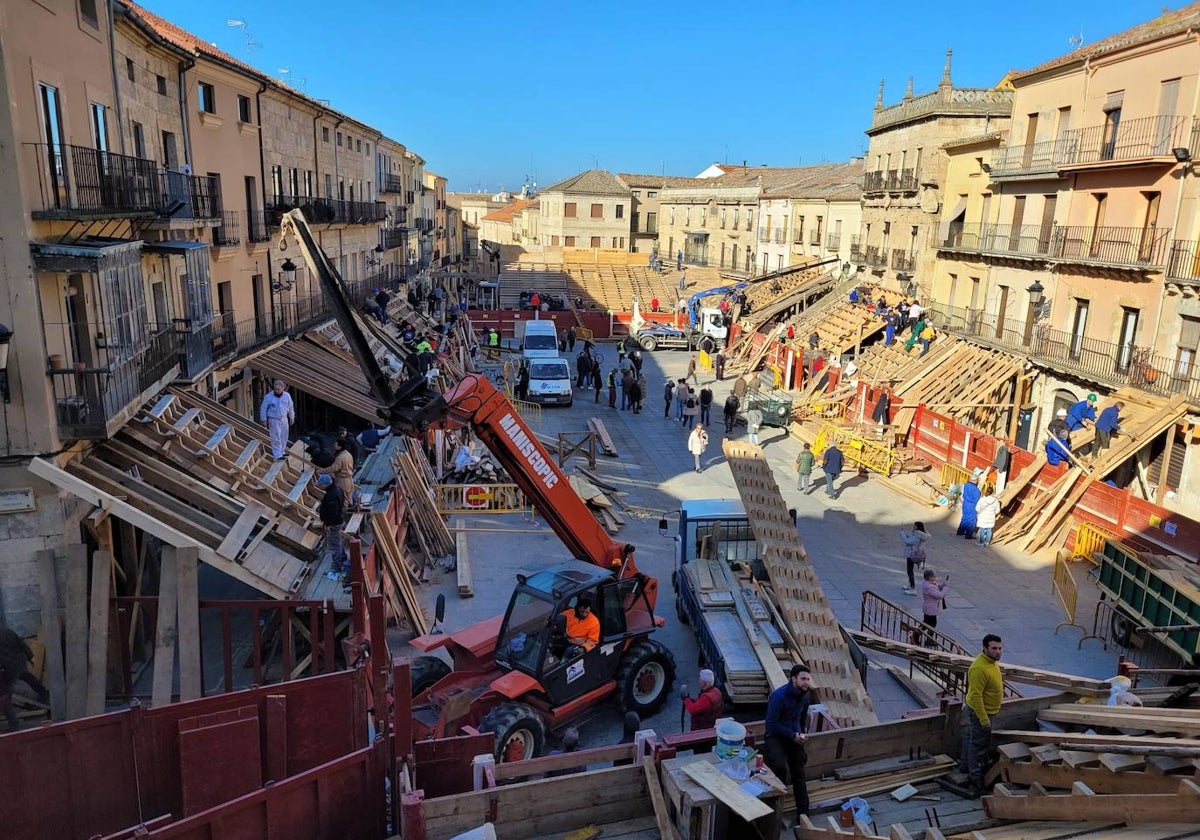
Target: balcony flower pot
81,366
57,362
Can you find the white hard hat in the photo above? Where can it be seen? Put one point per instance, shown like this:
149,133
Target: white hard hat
1062,412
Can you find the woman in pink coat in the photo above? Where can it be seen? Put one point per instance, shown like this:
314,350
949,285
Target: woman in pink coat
933,594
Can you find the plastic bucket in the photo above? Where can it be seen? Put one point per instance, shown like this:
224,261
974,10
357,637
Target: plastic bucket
731,737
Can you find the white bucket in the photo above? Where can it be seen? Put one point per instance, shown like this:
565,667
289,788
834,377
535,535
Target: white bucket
731,737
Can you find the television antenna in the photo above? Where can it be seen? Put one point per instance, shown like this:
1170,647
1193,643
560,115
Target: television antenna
1076,40
294,81
251,44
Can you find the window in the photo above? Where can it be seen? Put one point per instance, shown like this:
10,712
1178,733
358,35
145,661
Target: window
129,70
276,181
722,228
161,81
139,140
1189,343
736,212
170,151
749,219
368,150
294,182
671,213
620,211
637,193
597,211
87,13
1079,327
569,241
339,139
595,241
358,146
243,108
99,127
1128,335
324,134
328,185
554,241
651,223
652,194
208,98
569,210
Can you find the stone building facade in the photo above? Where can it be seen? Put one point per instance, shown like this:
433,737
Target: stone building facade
588,210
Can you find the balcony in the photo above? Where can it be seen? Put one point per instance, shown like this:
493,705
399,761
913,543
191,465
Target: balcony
1026,161
1137,248
1100,361
779,236
393,238
76,182
764,235
328,210
873,181
229,232
200,195
391,184
1125,141
903,260
908,180
650,227
857,253
1183,264
833,242
233,339
891,183
94,397
258,225
875,257
814,237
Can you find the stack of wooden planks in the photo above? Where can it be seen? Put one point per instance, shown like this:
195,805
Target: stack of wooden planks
603,498
414,478
402,569
596,425
1042,515
803,606
1106,764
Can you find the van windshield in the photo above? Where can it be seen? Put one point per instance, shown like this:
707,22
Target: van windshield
545,370
541,342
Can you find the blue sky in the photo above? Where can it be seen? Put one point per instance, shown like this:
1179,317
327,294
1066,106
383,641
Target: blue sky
502,91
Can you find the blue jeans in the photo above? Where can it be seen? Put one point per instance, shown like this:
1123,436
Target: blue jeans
985,536
678,409
829,477
704,413
689,420
976,738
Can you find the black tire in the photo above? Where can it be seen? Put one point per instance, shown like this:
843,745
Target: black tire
427,670
1122,628
645,677
520,732
680,612
648,344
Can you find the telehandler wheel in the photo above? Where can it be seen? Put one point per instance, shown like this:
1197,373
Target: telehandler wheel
520,732
645,676
427,670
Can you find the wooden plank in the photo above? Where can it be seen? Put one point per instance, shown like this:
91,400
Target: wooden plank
1078,739
462,562
231,547
762,648
662,816
218,437
52,635
606,441
165,630
1184,724
248,452
726,790
1082,803
75,571
1099,779
97,667
188,609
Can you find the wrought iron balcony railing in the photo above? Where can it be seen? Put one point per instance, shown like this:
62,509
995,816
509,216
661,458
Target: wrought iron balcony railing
1183,264
258,225
229,232
833,241
903,260
857,252
1125,140
391,184
1030,159
1121,247
77,181
873,181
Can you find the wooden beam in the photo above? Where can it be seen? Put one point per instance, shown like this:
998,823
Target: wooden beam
164,637
76,617
52,635
662,816
1078,738
726,790
1160,493
129,512
1083,804
97,668
191,680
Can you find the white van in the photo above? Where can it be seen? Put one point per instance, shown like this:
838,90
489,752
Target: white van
549,380
540,340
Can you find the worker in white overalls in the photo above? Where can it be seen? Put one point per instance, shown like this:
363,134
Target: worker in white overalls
277,414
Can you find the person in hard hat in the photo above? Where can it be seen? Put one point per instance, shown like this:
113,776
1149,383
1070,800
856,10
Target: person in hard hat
1058,425
1082,413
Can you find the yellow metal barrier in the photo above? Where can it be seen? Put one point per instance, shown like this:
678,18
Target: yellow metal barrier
530,412
480,498
1068,593
829,410
857,449
1089,539
954,474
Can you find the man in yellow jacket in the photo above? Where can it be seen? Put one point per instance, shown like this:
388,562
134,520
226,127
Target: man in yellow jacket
985,689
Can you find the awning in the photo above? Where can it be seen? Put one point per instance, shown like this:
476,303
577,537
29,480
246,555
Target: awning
173,246
318,372
85,254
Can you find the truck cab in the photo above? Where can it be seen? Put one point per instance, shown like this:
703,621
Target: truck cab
549,381
540,340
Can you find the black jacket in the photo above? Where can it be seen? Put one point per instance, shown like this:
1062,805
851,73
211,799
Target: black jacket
332,509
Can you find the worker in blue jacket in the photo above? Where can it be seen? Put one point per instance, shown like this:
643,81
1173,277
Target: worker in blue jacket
786,731
1058,449
1107,425
1081,411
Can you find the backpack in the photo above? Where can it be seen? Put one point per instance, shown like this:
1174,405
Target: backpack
691,403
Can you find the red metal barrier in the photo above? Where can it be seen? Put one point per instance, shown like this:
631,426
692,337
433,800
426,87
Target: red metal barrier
104,774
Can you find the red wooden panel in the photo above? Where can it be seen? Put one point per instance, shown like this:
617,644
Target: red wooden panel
70,780
444,764
218,762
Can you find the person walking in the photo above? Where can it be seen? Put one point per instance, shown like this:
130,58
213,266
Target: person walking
754,420
914,552
612,388
706,398
804,467
926,336
1107,425
572,336
691,408
278,413
933,596
691,373
719,365
636,392
970,498
598,384
522,389
681,394
831,464
707,705
697,442
786,725
986,511
332,511
668,396
732,403
985,690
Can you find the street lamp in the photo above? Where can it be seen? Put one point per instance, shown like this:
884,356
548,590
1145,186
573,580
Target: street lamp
288,269
5,337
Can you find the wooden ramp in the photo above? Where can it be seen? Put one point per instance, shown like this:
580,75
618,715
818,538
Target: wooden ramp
801,602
